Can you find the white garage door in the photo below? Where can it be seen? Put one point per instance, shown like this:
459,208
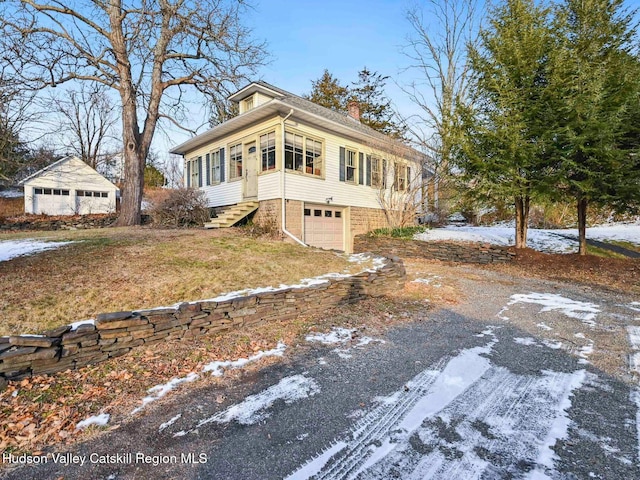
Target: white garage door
324,226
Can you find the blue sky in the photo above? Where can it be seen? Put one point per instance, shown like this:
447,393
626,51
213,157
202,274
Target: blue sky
305,37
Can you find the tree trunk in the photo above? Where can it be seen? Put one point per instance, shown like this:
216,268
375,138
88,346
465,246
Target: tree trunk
134,160
582,226
522,221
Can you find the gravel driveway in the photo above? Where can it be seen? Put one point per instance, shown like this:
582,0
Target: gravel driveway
521,379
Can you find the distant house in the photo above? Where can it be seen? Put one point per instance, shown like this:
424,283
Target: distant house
322,171
68,187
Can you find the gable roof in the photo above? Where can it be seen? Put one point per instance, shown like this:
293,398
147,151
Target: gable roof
53,166
283,102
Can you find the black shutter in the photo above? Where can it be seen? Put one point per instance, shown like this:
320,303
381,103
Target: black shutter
342,160
222,165
369,170
361,169
408,177
199,171
384,174
208,165
188,174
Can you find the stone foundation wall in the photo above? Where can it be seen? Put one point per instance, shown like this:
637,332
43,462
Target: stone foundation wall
446,251
115,334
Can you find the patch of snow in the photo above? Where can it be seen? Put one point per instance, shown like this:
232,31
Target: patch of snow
525,341
16,248
635,398
254,408
342,352
366,341
169,422
181,433
322,361
525,414
217,368
635,306
583,311
99,420
74,326
336,335
551,344
11,193
544,326
314,466
633,331
428,281
579,335
302,436
161,390
550,241
559,426
584,353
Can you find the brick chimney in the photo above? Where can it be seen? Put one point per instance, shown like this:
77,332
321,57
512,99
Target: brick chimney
353,109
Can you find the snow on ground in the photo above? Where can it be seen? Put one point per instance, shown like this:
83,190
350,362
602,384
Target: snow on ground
11,193
635,398
635,306
584,311
254,408
633,331
217,368
16,248
406,434
549,241
429,281
99,420
74,326
336,335
161,390
169,422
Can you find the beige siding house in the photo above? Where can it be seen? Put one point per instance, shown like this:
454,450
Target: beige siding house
68,187
325,173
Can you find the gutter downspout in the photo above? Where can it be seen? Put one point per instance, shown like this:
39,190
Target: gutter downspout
284,214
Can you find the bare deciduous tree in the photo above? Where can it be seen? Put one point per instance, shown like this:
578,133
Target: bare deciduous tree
89,117
148,51
437,54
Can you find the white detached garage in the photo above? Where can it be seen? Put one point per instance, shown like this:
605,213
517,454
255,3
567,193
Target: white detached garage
68,187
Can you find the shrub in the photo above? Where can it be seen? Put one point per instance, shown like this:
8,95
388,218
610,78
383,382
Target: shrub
182,207
398,232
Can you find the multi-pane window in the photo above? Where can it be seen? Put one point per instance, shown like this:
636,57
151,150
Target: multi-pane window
313,157
248,104
351,162
293,151
85,193
193,171
268,151
49,191
401,177
235,161
376,173
215,167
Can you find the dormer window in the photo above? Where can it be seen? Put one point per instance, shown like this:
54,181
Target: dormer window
248,103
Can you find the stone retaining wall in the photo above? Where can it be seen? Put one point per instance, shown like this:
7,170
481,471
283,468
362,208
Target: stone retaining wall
462,252
43,222
115,334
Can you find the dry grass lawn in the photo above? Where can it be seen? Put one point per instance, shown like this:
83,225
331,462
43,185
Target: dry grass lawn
134,268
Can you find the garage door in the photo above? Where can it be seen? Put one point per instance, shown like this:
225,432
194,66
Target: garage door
324,226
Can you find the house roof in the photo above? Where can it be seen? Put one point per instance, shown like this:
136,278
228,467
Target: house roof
303,109
56,164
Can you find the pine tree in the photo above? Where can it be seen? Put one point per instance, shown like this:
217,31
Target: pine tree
503,154
329,93
595,79
375,107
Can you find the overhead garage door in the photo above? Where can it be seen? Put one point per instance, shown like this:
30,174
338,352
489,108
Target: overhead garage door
324,226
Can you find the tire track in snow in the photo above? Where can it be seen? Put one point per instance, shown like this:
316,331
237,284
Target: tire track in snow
465,420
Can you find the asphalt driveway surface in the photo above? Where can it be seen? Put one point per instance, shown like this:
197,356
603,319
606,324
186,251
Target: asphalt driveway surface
521,379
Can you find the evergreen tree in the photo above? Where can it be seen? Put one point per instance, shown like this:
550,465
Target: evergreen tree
503,151
595,79
329,93
375,107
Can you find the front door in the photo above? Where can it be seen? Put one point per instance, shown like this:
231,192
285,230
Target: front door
251,172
